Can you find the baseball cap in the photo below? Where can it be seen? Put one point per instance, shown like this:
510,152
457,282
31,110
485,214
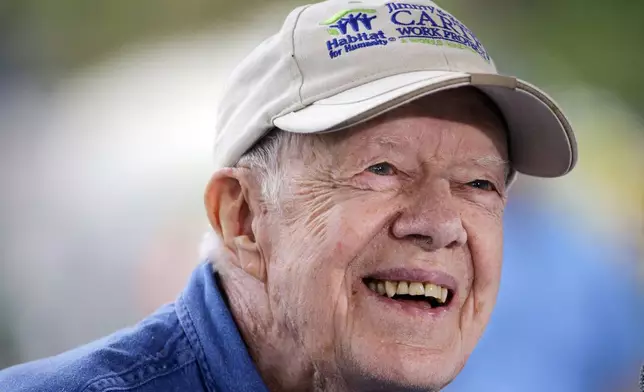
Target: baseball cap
338,63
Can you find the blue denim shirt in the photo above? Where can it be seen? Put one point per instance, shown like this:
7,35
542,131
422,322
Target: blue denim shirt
190,345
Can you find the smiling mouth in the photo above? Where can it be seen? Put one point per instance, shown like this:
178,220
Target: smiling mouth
426,292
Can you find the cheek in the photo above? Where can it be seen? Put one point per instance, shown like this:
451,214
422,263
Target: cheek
310,272
487,255
485,238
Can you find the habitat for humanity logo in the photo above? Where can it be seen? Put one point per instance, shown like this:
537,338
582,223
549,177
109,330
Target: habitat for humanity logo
352,30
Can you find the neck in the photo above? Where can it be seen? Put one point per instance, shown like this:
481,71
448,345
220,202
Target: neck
278,356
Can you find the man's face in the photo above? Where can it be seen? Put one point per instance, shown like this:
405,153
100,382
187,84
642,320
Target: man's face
411,201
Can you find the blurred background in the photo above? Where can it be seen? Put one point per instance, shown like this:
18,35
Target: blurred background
106,125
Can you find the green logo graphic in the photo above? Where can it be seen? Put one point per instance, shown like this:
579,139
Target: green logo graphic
353,18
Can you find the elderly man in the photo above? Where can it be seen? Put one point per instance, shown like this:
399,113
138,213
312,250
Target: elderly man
364,156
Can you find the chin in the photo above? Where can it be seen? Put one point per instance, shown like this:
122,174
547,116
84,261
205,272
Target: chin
396,367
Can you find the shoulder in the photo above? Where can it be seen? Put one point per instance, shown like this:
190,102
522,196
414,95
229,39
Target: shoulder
152,356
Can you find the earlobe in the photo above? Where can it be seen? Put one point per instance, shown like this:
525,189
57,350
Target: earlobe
228,204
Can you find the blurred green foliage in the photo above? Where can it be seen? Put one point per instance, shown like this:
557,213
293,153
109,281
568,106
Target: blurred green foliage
61,35
549,41
563,41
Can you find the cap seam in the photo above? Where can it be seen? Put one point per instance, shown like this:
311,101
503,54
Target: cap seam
442,49
356,82
346,86
297,65
398,87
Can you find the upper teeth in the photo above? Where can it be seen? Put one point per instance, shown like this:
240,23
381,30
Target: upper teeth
392,287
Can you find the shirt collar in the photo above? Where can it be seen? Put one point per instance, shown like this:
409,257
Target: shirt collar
213,334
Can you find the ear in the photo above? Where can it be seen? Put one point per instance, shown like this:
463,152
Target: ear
231,215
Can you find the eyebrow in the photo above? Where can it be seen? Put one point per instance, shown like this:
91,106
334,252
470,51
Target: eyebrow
490,160
389,140
493,160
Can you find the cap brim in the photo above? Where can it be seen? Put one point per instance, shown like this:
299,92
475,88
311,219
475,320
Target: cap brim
541,141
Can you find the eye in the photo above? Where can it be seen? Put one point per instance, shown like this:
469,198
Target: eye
382,169
483,185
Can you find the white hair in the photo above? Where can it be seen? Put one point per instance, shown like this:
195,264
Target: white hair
263,159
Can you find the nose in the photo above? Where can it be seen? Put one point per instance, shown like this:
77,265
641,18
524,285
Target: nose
431,221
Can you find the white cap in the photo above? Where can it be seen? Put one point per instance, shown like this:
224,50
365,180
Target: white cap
337,63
